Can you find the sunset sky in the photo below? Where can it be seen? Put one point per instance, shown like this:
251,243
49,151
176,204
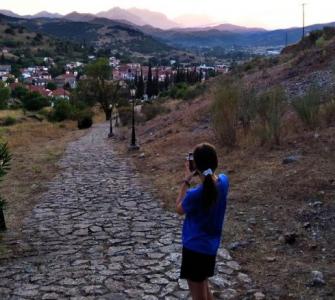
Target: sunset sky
265,13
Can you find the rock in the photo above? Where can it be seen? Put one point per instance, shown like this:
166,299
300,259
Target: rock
223,253
243,278
290,159
236,245
234,265
259,296
142,155
317,279
270,259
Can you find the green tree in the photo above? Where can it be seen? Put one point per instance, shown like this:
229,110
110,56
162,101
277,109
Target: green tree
4,96
5,158
99,87
51,86
34,101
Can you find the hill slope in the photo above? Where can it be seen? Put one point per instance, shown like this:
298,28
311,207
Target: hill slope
280,217
99,32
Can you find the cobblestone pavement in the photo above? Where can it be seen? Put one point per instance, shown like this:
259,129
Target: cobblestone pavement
99,234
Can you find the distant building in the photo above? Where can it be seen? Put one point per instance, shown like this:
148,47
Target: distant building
5,69
61,93
66,79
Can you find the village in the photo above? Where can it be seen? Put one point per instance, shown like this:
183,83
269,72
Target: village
38,78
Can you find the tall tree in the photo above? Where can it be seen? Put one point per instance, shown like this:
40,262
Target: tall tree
98,87
149,83
140,87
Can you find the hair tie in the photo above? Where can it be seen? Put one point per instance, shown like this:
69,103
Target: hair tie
207,172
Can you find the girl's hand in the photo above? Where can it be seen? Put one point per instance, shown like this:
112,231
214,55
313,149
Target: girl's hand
188,175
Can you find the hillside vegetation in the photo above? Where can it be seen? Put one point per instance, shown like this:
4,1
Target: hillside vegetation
122,39
280,222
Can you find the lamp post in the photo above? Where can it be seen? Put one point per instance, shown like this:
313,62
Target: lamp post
133,145
111,134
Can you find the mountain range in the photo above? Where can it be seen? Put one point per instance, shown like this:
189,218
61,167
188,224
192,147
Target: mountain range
117,27
138,17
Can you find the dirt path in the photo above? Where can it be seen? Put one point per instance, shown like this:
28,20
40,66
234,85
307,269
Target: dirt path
97,233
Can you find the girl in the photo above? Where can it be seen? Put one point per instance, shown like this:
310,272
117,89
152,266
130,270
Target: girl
205,207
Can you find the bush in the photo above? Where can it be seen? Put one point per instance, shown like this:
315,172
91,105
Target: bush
9,121
225,114
307,107
247,107
4,97
63,110
270,109
328,113
151,110
125,115
85,121
195,91
34,101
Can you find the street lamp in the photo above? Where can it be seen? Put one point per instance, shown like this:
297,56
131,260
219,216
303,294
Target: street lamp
111,134
133,145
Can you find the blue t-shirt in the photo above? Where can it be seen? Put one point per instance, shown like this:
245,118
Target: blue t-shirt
202,227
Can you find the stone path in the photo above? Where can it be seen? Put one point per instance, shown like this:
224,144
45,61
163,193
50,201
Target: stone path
99,234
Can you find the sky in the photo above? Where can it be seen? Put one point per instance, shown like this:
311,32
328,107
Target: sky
269,14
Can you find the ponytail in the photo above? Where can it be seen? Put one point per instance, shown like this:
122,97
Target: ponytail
206,162
210,192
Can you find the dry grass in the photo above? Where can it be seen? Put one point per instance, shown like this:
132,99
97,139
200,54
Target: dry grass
36,147
11,113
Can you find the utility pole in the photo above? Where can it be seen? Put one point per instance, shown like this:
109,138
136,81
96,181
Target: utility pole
303,20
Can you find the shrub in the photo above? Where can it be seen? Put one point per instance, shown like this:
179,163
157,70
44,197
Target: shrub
225,114
193,92
34,101
63,110
151,110
9,121
5,158
270,109
328,112
125,115
246,107
320,42
85,121
10,30
4,96
307,107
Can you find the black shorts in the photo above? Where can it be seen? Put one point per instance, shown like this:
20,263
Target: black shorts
196,266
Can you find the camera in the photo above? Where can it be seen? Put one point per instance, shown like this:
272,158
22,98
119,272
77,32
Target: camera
191,164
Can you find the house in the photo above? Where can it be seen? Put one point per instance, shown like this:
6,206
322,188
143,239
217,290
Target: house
61,93
41,90
66,79
5,69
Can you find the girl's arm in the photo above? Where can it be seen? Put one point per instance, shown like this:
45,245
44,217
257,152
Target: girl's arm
183,189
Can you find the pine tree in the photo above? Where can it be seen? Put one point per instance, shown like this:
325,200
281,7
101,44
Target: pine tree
3,59
149,83
155,84
140,87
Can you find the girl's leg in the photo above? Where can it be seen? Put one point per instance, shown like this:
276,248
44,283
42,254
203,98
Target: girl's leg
209,293
198,290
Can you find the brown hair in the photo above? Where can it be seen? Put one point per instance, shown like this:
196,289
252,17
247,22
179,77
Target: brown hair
205,158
